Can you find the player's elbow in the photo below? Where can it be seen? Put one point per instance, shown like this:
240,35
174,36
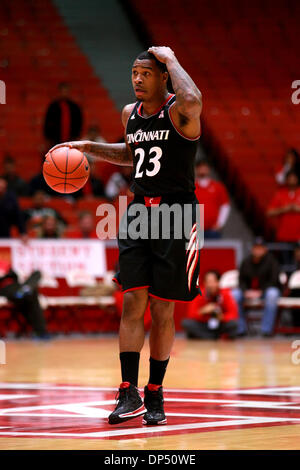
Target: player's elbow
192,104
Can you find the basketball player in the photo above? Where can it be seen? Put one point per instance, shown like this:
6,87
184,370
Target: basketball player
161,135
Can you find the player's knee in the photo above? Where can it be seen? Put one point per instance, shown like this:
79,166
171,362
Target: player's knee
134,305
161,312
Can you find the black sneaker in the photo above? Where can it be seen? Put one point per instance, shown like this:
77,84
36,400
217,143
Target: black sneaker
154,402
130,404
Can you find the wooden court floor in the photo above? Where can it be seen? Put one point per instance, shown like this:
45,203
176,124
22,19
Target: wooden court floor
219,395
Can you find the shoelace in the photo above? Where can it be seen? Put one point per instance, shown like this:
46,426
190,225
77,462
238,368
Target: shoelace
121,394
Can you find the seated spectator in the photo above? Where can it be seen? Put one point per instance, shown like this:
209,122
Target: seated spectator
296,257
34,215
258,279
119,182
86,228
49,228
214,196
285,206
291,161
25,298
94,134
93,187
213,314
10,213
38,183
295,312
63,121
15,183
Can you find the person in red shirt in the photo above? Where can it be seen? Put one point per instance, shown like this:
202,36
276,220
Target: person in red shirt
86,228
214,196
213,314
285,206
291,161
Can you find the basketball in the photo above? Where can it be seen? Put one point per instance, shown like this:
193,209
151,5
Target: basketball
66,170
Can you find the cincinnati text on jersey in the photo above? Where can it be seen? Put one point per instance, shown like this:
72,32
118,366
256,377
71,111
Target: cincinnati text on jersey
140,136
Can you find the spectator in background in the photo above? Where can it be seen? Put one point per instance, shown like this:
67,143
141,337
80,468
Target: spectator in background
25,298
15,183
258,279
214,196
63,121
93,187
86,228
296,259
213,314
35,215
291,161
38,183
94,134
10,213
119,182
49,228
295,312
285,205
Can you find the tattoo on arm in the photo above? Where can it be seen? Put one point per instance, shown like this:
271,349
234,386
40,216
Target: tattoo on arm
187,94
118,154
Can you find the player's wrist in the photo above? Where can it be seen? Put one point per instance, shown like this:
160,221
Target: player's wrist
171,61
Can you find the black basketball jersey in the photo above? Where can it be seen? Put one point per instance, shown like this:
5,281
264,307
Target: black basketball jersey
163,159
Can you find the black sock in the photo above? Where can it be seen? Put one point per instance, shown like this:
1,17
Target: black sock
130,366
157,371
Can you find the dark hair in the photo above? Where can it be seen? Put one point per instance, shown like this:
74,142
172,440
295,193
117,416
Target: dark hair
294,152
214,272
202,162
145,55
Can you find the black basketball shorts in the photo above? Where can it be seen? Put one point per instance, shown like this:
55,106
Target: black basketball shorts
159,247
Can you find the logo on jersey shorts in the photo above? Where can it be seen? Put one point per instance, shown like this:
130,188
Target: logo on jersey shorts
141,136
39,411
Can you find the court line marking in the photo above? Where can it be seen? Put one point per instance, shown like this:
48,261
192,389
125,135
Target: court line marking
58,406
251,391
158,429
15,397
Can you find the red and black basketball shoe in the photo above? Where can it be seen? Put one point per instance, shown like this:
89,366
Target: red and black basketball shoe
154,402
129,404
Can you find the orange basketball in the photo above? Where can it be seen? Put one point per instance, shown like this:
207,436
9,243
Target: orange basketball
66,170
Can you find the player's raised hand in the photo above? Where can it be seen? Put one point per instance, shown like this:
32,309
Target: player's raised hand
162,53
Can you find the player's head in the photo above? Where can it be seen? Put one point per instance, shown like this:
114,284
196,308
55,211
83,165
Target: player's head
149,77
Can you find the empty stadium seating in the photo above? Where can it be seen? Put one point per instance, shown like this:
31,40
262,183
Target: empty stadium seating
34,58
